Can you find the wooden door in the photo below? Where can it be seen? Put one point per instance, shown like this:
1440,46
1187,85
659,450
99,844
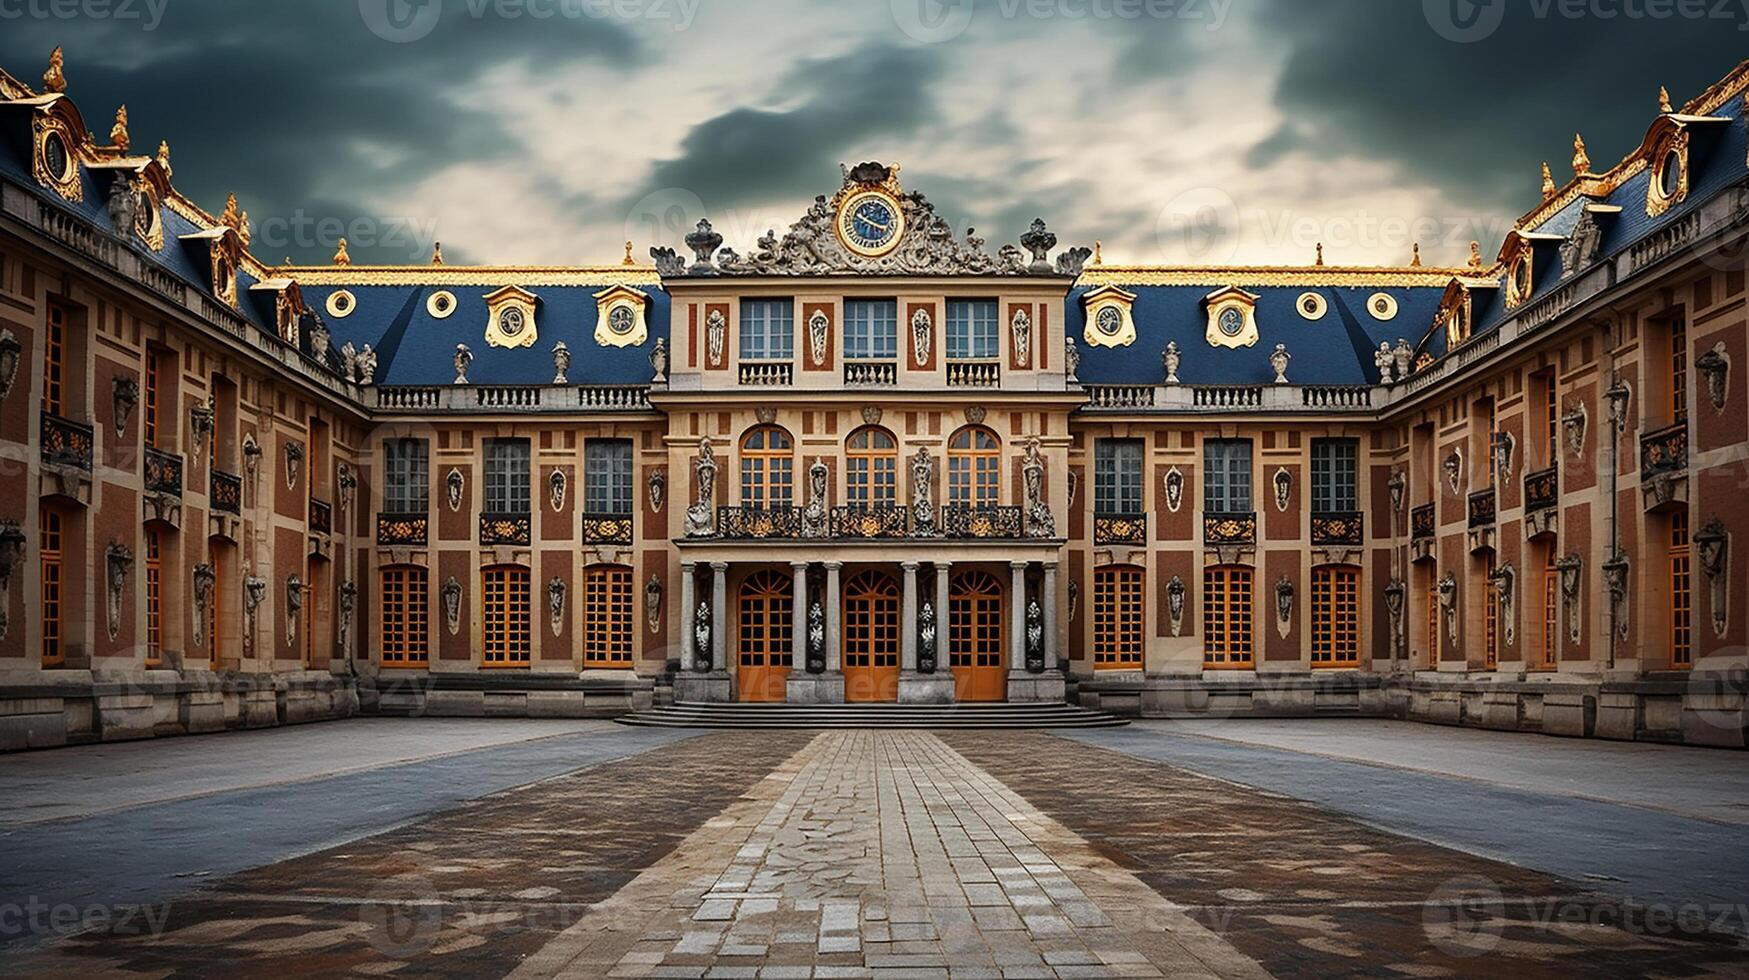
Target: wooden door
763,634
871,638
975,636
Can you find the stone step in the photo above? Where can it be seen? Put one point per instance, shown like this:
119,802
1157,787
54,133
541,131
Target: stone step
928,716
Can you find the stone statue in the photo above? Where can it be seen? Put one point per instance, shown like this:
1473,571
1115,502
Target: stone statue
348,361
123,205
701,517
320,340
1384,360
1035,634
701,637
463,358
659,361
1278,363
556,604
1040,522
926,639
561,364
814,514
816,662
1405,358
367,366
1171,358
1071,359
923,493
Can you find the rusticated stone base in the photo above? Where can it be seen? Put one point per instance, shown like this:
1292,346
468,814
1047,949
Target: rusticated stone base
805,688
1031,688
715,687
936,688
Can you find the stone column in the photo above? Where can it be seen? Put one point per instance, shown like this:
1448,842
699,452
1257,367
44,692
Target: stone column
719,615
688,615
799,615
943,575
1049,600
833,655
908,621
1017,619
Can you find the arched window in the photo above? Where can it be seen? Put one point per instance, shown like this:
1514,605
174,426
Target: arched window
607,616
872,468
1118,603
404,609
504,616
1226,617
1336,616
767,468
974,467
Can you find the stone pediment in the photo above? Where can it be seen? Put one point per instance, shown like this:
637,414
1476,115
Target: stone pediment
924,243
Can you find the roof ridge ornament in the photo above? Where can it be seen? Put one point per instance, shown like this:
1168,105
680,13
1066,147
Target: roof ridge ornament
1475,255
1581,159
164,157
1664,106
341,256
1414,255
118,134
1548,182
55,78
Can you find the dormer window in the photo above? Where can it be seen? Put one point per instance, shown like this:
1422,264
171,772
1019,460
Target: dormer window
53,164
1669,183
1232,318
56,160
1109,323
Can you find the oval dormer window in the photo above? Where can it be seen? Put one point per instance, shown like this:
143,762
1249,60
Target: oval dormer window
1232,322
1109,321
56,160
1670,176
441,304
510,322
621,320
1521,277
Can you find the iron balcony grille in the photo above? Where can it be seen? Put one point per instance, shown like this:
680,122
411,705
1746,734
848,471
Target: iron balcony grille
226,492
163,472
982,521
1482,509
403,529
758,523
871,521
1422,523
66,443
505,529
1542,490
1664,452
321,517
607,528
1236,527
1338,527
1115,528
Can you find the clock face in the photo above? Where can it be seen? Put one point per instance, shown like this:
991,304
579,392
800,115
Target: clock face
870,223
1232,322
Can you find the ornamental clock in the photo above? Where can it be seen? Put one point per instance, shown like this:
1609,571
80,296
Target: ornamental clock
870,222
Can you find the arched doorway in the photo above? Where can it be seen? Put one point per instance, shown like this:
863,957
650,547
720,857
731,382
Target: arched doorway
871,638
975,628
763,633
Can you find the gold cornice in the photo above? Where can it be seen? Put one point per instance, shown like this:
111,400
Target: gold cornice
470,275
1242,276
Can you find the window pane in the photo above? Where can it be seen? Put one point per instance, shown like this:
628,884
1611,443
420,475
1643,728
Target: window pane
1227,475
767,330
971,329
871,329
405,473
1335,486
607,476
1117,476
507,479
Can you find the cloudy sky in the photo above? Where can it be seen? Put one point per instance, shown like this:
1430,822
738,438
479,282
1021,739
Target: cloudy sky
1199,131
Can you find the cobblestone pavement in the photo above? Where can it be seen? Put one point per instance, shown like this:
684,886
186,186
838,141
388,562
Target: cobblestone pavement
886,854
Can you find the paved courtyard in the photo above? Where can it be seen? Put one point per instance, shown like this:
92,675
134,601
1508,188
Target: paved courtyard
547,849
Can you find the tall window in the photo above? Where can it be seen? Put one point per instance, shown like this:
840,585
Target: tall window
215,631
1226,617
607,616
767,468
154,598
1226,480
149,408
607,476
1336,616
1679,369
971,329
55,361
1117,476
1491,611
53,646
405,608
872,468
767,330
1493,433
974,468
1432,618
507,480
871,329
1118,618
1335,480
1551,609
1545,418
406,476
505,616
1681,593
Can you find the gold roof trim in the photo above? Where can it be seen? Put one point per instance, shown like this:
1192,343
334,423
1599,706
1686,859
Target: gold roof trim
1242,276
470,275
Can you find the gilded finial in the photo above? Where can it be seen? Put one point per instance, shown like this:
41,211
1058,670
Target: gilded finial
1320,259
628,260
1581,159
55,79
164,156
1415,256
341,256
1475,255
1548,181
436,253
1098,250
229,218
1664,100
243,230
118,134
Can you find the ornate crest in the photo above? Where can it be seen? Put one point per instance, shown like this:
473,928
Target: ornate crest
452,605
716,327
556,604
556,482
922,343
818,329
1174,489
452,485
118,558
871,415
658,485
1022,330
653,603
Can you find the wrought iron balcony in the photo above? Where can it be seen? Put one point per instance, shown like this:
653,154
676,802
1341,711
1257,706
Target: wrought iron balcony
869,373
1422,522
1338,527
1482,508
1542,490
871,521
225,492
66,443
983,521
605,528
758,523
979,373
505,529
321,517
403,529
767,374
163,472
1664,452
1229,527
1113,528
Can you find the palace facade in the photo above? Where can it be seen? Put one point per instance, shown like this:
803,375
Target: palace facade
870,459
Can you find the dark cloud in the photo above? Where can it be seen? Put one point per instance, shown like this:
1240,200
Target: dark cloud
301,109
1377,79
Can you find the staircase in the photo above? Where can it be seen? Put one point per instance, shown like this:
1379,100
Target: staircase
929,716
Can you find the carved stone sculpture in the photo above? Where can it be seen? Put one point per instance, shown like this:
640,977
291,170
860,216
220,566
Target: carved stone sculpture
1035,634
203,602
1503,446
1715,370
1571,568
118,559
1448,607
1582,244
816,654
659,361
294,462
716,327
294,607
463,359
653,603
348,603
701,517
11,353
1394,593
452,605
452,487
1021,326
1284,606
254,594
1397,485
658,485
367,366
819,329
200,425
1040,522
1454,468
561,364
1071,359
11,554
701,637
1278,361
1615,582
1174,489
1175,605
320,341
1573,423
556,485
122,204
1172,359
926,637
922,342
923,493
1712,544
556,605
814,524
125,394
1384,360
1284,486
1405,358
348,361
1504,581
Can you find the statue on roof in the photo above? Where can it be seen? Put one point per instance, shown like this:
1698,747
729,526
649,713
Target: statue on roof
463,358
1404,357
118,134
1384,360
367,366
1278,360
1171,359
1581,159
55,79
561,364
348,361
123,204
164,156
659,361
341,255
